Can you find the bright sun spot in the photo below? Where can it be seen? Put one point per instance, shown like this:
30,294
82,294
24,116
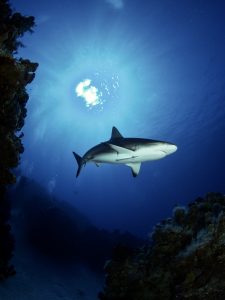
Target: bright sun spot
102,88
88,92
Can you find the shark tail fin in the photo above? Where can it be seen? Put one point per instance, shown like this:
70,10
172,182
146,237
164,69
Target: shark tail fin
79,162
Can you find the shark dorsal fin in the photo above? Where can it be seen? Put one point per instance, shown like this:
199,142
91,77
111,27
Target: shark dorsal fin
115,133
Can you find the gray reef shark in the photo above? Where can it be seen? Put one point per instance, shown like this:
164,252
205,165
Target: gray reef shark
129,151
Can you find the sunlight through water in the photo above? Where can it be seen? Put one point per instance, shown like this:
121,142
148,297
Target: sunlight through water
95,92
89,93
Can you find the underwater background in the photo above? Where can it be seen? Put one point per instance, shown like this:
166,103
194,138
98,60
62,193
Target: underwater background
169,63
153,69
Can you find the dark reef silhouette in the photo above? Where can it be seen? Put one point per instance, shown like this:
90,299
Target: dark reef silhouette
57,231
186,259
15,74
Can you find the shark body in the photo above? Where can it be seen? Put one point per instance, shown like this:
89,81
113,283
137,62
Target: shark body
129,151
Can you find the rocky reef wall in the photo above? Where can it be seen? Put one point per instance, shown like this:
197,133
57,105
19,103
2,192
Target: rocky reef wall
185,259
15,74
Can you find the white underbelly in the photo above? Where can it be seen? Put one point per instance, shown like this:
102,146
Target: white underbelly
118,158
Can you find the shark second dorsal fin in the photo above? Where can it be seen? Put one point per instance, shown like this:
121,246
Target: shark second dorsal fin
115,133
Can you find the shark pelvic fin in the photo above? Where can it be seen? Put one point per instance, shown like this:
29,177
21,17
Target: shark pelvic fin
135,168
79,162
115,133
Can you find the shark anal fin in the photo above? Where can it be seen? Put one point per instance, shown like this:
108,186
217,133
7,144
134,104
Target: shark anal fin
135,168
115,133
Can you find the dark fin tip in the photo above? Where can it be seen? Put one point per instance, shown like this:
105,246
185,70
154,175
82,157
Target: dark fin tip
134,174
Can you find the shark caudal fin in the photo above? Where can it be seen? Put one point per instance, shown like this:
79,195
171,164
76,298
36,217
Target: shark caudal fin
79,162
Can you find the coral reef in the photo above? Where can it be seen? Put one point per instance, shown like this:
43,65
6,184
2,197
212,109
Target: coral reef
15,74
186,259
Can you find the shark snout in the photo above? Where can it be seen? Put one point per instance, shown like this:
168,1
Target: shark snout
169,148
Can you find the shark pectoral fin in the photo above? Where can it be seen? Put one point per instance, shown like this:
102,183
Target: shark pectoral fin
125,158
121,150
97,164
135,167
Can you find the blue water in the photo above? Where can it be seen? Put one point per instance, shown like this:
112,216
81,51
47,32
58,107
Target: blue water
159,67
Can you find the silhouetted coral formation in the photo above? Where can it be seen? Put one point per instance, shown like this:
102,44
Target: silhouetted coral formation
185,261
15,74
